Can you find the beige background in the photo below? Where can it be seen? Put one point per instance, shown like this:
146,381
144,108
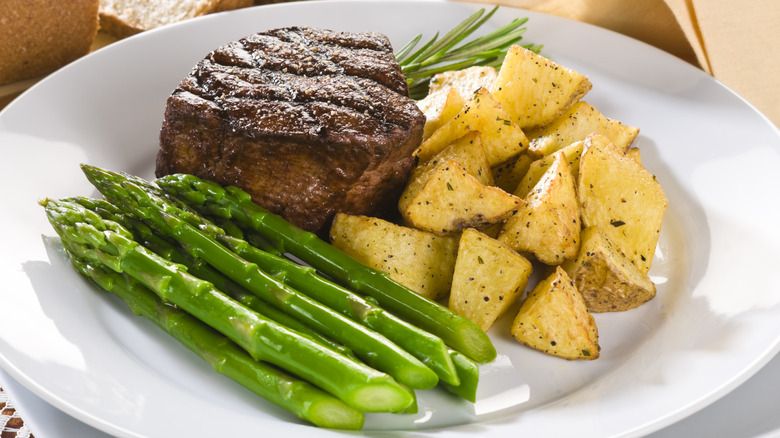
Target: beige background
738,42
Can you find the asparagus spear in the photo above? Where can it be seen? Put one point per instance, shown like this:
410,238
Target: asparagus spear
423,345
375,349
426,347
231,202
297,396
468,371
90,237
202,270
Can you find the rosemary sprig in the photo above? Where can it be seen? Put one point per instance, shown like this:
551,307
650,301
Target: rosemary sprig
440,55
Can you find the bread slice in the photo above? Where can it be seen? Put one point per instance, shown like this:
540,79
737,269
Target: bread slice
40,36
123,18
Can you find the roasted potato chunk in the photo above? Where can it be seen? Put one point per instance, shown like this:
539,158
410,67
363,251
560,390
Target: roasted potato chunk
467,151
622,197
489,277
635,155
576,124
502,138
439,107
548,224
534,90
421,261
452,200
507,176
466,81
606,278
554,319
540,166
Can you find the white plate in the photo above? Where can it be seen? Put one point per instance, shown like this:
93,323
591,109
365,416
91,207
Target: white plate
715,321
751,410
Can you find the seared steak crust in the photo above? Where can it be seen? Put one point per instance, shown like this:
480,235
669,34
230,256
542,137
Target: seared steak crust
310,122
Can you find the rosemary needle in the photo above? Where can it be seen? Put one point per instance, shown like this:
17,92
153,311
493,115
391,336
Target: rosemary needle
440,55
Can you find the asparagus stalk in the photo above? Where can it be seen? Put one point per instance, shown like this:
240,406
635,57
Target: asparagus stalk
373,348
231,202
297,396
465,370
90,237
426,347
202,270
468,371
423,345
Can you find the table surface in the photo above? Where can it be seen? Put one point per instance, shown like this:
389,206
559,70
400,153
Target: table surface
751,410
11,423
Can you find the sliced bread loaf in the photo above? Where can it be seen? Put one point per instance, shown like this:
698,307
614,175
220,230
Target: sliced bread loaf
122,18
40,36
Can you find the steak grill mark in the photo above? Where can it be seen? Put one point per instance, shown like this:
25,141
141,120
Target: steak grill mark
339,95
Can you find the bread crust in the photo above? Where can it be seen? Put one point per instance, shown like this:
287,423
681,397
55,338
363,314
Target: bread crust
40,36
123,18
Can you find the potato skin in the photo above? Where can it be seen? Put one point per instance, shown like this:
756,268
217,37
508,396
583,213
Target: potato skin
576,124
421,261
606,278
554,319
453,200
619,195
548,224
489,277
503,139
533,90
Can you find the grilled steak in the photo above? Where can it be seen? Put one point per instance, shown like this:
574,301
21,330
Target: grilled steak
310,122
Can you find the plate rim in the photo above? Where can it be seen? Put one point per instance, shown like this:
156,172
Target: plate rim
727,387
